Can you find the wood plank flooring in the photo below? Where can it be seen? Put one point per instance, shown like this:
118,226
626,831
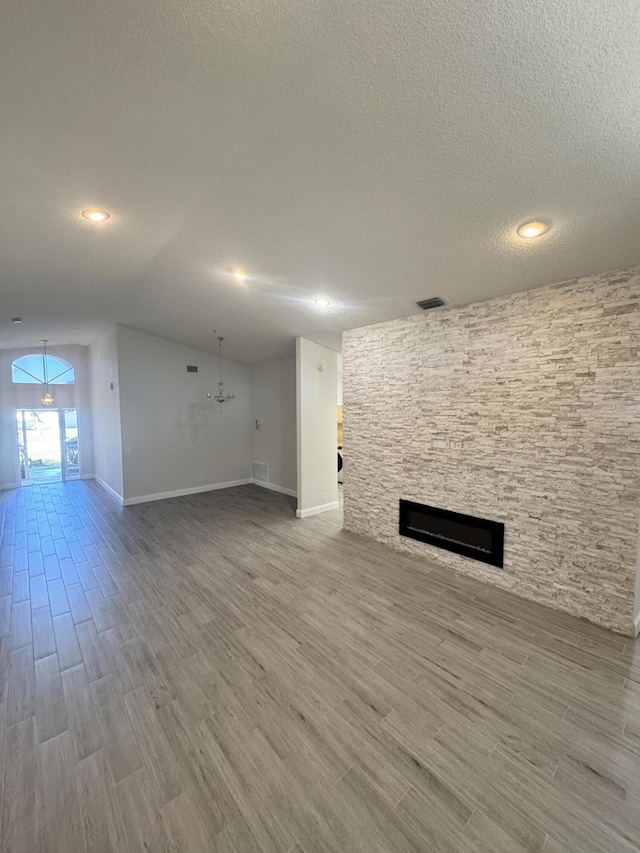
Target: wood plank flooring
210,673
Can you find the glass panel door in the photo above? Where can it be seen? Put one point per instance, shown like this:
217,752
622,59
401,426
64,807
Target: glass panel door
23,456
70,444
39,446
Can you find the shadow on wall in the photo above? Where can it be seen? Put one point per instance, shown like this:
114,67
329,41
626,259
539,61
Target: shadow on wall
197,422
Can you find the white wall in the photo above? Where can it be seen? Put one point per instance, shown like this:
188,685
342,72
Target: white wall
13,397
273,405
316,419
173,438
105,403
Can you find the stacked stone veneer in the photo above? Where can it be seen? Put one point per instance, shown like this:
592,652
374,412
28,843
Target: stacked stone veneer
524,409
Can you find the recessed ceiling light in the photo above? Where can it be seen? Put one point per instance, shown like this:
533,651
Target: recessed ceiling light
96,215
532,229
322,302
239,274
16,320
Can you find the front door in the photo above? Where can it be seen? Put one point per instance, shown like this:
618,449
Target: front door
48,445
39,449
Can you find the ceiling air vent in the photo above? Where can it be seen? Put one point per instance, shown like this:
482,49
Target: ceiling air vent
192,368
434,302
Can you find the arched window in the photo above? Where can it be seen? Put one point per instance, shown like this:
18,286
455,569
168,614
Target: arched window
30,370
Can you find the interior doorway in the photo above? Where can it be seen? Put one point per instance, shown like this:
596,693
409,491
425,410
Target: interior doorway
48,445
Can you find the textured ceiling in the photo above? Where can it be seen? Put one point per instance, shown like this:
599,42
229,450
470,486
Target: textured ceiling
377,152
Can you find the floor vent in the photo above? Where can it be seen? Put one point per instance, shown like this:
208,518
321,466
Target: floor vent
260,471
434,302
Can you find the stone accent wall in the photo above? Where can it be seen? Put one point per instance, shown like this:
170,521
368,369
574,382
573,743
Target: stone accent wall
523,409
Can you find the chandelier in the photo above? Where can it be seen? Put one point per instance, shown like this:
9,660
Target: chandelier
221,397
47,397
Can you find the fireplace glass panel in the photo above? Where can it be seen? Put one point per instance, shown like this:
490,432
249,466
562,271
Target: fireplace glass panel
474,537
451,531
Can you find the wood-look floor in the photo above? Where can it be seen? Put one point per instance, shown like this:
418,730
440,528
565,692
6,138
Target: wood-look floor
211,674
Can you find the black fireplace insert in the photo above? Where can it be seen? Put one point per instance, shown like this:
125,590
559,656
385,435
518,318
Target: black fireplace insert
464,534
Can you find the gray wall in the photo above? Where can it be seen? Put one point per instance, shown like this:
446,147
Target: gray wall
105,402
524,409
316,413
173,438
13,397
273,405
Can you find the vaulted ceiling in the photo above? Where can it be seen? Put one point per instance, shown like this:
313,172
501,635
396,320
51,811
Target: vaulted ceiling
375,152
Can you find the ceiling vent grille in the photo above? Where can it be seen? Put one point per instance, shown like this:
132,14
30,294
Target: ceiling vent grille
434,302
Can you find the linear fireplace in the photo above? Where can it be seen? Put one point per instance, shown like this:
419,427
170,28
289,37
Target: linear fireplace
464,534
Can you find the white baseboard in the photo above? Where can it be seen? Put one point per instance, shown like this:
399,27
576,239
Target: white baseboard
315,510
636,625
87,476
108,488
178,493
275,488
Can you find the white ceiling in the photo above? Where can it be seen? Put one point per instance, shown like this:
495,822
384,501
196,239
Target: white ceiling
376,151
